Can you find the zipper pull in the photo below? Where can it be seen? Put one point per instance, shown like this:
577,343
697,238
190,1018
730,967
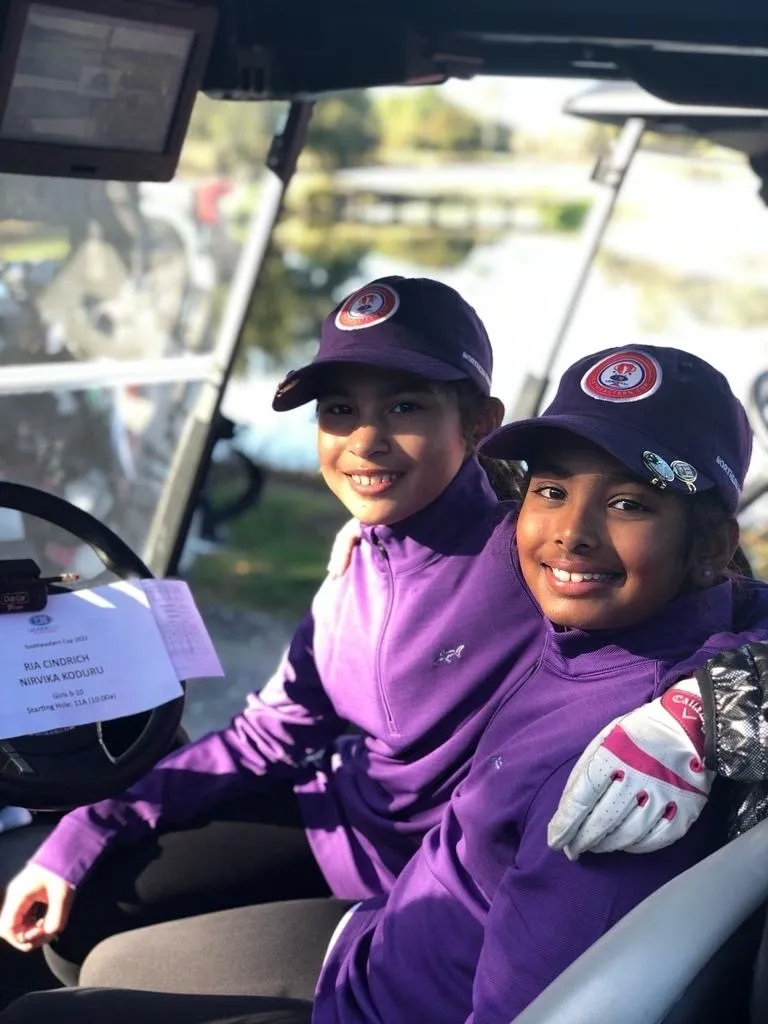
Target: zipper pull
379,545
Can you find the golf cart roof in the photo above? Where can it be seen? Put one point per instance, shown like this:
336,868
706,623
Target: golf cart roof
715,53
711,52
739,128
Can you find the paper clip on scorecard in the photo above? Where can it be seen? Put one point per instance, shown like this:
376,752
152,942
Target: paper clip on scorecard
73,657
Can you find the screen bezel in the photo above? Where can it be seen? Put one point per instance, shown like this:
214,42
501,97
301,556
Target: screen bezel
65,160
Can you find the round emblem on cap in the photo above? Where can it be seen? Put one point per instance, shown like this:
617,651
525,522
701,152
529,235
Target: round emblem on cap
626,377
370,306
686,472
661,471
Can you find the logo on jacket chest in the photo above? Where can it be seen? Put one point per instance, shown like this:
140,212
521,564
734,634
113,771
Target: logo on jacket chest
449,655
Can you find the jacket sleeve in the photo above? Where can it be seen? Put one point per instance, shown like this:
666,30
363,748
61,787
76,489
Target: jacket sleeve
288,720
734,690
548,910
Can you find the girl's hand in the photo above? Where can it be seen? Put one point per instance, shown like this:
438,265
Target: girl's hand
36,908
640,784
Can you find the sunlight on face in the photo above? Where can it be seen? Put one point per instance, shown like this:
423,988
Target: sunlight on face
599,548
388,445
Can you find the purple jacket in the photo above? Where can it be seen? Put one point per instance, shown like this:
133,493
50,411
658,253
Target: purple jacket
413,646
485,915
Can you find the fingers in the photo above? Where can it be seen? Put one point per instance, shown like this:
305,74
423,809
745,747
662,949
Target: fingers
57,915
590,778
36,908
669,828
605,819
21,921
637,825
650,821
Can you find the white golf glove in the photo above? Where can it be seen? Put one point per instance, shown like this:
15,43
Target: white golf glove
641,783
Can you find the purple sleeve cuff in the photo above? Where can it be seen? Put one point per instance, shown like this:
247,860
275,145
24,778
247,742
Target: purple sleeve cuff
73,848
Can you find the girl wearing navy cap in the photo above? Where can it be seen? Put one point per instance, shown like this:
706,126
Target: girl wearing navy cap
621,548
624,540
409,647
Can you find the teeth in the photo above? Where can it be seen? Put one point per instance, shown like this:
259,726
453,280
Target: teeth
368,481
580,577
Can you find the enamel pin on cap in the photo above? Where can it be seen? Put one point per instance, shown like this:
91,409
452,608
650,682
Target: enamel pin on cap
686,472
661,471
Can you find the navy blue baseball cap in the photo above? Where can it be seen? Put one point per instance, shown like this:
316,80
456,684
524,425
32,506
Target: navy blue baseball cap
668,415
412,324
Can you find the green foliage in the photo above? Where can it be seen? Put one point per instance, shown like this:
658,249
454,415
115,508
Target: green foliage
293,298
429,248
233,135
277,553
314,255
567,216
344,131
423,119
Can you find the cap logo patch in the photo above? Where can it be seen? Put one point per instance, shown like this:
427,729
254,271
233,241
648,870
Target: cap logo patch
626,377
365,308
686,472
661,472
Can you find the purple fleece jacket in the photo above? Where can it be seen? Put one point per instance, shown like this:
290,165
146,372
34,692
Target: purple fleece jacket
414,645
486,915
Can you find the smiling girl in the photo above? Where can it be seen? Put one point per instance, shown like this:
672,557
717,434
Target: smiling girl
623,540
409,648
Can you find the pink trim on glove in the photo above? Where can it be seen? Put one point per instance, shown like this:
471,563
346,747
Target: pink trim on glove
619,743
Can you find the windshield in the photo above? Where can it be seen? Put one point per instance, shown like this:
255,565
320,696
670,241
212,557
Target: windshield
111,296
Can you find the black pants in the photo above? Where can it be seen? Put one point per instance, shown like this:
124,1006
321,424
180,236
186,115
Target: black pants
239,855
114,1006
251,965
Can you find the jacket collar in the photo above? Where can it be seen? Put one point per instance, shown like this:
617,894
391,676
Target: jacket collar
455,523
680,628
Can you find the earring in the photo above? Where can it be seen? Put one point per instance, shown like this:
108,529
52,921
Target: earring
707,574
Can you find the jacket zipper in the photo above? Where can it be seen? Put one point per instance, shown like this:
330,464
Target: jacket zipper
385,625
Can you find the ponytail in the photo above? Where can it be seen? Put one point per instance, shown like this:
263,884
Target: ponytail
506,478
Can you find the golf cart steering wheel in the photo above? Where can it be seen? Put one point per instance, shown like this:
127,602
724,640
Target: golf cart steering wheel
67,768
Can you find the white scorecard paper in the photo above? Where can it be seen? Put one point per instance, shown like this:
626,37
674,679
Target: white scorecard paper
93,655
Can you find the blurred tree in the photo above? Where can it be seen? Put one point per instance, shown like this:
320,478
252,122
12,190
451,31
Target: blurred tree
344,131
424,119
311,260
428,247
564,216
294,296
225,136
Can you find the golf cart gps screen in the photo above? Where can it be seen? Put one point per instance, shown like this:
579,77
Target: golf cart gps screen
91,80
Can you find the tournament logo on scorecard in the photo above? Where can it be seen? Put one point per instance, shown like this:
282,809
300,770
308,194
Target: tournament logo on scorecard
42,624
626,377
370,306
